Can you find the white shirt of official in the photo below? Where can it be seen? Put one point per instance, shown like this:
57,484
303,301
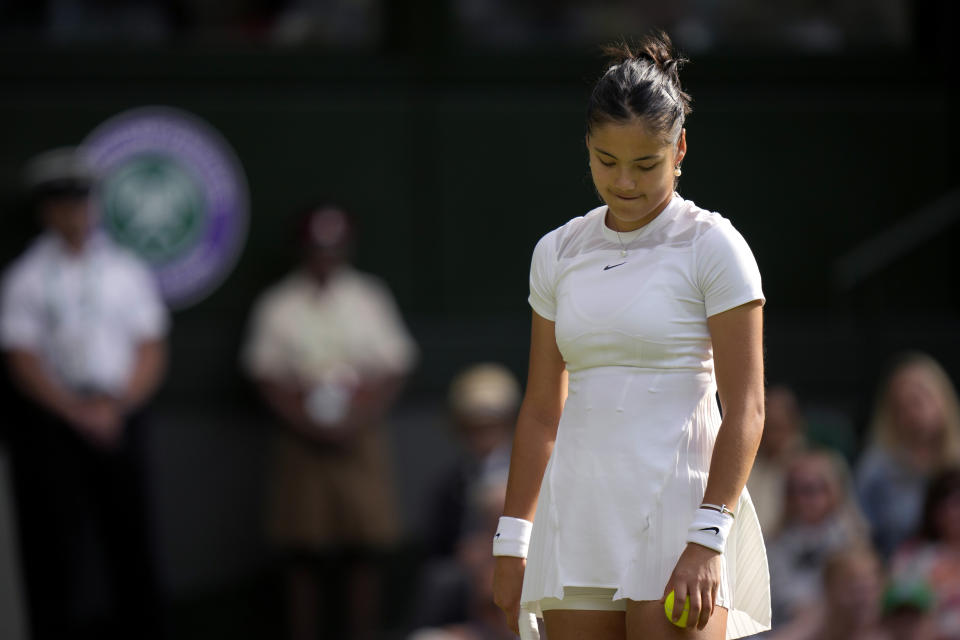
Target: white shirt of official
85,314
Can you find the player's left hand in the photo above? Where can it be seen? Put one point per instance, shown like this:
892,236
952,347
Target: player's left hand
696,574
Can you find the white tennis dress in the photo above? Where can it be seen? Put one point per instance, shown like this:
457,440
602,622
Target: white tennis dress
633,447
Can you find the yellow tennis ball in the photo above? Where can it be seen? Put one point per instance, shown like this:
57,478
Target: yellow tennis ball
668,608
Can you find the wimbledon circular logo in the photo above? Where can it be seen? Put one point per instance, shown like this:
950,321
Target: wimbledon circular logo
172,191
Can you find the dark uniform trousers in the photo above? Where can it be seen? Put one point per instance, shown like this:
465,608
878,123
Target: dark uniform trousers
84,534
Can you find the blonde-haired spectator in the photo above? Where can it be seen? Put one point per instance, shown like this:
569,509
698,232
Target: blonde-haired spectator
914,432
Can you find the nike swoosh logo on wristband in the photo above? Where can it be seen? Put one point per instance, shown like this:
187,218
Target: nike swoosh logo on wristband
716,530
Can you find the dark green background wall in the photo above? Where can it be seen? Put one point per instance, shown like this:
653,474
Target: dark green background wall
456,168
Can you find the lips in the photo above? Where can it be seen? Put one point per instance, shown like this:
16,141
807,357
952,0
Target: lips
626,197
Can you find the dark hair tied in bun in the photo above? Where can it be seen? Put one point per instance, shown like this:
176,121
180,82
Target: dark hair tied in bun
642,82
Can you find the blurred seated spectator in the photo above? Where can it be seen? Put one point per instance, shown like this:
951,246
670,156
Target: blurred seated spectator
783,437
456,597
850,605
344,23
328,351
134,21
820,517
915,432
483,402
934,557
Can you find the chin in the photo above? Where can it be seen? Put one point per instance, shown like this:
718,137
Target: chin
630,213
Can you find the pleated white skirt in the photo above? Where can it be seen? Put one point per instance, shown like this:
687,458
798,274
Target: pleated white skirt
613,511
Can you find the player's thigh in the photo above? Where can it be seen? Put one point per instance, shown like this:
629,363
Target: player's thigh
567,624
646,620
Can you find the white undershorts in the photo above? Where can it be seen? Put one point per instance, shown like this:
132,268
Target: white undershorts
585,599
591,599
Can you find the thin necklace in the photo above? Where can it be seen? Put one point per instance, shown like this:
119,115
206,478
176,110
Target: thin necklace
623,249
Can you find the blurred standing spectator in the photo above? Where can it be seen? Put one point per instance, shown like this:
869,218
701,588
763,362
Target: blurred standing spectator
83,330
934,558
850,607
329,351
915,432
783,437
820,518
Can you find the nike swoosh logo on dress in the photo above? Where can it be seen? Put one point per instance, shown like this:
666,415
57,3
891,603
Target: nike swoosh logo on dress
611,266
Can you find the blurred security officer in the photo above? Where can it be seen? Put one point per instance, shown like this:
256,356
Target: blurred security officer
82,328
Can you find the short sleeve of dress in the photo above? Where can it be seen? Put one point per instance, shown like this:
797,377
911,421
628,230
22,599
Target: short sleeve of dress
543,268
727,272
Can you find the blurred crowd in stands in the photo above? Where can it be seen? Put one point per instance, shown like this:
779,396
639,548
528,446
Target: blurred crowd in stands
870,550
806,26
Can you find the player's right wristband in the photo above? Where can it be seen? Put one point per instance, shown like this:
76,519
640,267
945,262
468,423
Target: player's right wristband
512,537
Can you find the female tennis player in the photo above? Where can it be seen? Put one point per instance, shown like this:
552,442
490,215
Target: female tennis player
643,310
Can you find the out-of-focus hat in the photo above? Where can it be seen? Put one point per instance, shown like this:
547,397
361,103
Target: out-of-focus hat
62,171
485,389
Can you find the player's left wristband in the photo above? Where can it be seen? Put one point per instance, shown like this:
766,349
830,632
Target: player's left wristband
512,537
710,529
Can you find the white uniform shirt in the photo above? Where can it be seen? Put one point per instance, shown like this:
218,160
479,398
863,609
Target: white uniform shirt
311,335
84,314
633,333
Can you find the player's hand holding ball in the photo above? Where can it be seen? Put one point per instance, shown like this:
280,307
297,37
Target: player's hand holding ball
695,579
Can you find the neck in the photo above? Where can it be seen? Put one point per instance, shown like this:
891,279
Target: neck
74,246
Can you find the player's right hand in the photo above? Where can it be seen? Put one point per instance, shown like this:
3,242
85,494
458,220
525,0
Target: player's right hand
507,585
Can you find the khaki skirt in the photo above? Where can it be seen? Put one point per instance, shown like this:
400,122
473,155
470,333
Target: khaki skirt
327,497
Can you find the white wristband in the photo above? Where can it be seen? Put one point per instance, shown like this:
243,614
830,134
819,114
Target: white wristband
529,630
710,529
512,538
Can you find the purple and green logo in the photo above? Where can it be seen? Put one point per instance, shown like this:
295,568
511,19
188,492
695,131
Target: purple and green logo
172,191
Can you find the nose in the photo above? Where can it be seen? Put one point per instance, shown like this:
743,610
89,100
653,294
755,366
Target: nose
625,181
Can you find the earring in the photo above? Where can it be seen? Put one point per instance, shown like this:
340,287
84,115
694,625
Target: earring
677,171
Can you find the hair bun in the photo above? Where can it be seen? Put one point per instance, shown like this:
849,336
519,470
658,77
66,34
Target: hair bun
655,48
643,82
